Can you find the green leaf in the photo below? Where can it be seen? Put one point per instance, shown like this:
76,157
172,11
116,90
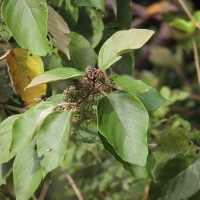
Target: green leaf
5,170
53,137
56,74
149,96
174,178
181,186
123,121
27,172
27,21
6,138
135,170
124,13
24,127
122,42
181,24
197,16
173,141
82,53
125,65
67,10
90,25
57,98
58,30
85,132
100,4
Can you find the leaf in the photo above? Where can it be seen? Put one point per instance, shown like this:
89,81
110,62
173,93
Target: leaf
58,30
53,137
6,90
5,170
56,74
23,67
100,4
181,24
197,16
174,178
123,121
124,13
67,10
181,186
85,132
125,65
82,53
90,25
27,172
27,21
122,42
57,98
149,96
135,170
173,142
24,126
6,138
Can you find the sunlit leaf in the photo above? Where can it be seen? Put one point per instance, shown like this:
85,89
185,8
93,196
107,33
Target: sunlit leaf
122,42
59,31
23,67
27,21
53,137
6,138
123,121
149,96
24,127
27,172
55,75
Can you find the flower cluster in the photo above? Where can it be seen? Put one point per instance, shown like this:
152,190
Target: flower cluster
86,91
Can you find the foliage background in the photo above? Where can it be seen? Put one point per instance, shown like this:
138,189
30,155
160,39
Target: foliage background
166,63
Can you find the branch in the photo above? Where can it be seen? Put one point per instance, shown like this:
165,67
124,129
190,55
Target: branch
96,156
13,108
196,58
34,197
74,187
44,191
4,55
152,145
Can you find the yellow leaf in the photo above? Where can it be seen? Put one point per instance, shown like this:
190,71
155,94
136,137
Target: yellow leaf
23,67
160,7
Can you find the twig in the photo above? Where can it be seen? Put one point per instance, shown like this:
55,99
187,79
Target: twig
4,55
146,191
13,108
44,191
190,113
151,145
102,92
34,197
96,156
74,187
185,8
196,58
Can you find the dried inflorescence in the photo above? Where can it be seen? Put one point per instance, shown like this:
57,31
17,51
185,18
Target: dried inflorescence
86,91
